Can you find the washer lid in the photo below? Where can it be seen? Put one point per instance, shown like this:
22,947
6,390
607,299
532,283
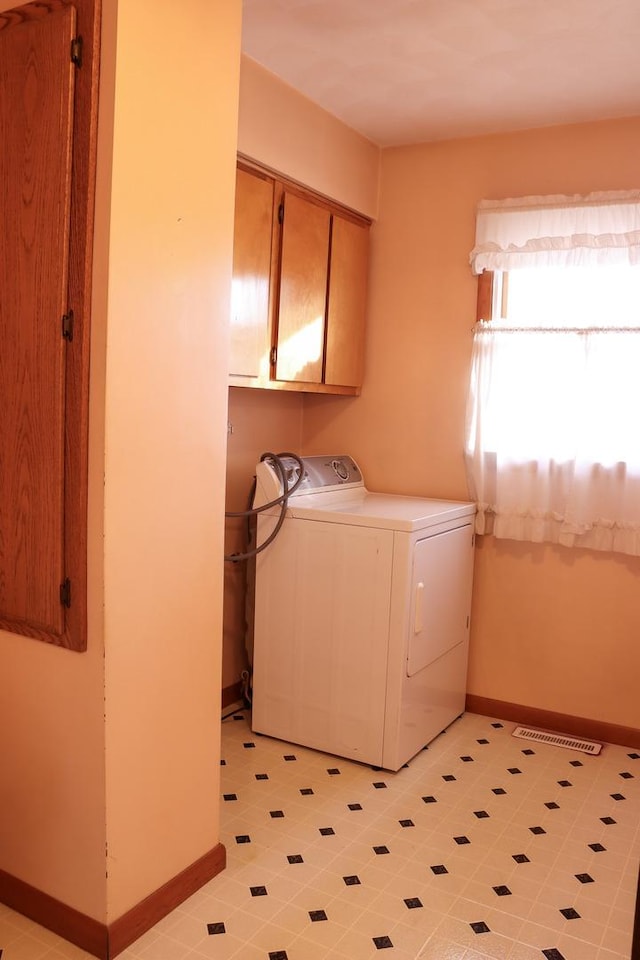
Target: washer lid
383,510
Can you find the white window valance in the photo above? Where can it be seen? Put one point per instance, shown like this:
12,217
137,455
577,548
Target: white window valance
597,229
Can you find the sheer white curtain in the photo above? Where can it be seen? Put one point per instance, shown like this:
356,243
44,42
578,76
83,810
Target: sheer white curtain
553,416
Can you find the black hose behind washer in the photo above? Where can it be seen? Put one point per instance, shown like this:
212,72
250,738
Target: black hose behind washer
281,501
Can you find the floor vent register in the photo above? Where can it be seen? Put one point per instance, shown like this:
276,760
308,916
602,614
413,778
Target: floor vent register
558,740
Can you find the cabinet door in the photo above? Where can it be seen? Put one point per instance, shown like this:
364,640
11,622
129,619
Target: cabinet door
303,290
36,119
344,358
250,341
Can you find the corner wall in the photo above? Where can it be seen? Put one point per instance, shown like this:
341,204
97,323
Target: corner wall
262,421
169,279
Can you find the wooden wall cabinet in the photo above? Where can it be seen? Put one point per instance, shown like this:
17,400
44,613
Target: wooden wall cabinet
48,116
299,289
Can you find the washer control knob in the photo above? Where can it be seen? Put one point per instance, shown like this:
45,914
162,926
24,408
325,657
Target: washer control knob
341,469
292,475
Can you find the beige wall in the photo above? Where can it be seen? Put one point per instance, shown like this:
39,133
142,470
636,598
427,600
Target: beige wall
52,829
171,228
118,746
261,421
552,628
287,132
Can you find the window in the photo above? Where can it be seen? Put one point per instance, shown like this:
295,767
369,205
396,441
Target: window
552,443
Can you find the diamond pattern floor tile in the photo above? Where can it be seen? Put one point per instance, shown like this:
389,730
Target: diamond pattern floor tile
484,847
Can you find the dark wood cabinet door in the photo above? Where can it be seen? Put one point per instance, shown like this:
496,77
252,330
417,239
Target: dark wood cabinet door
36,134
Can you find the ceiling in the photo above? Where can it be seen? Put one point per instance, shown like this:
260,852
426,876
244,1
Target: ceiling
411,71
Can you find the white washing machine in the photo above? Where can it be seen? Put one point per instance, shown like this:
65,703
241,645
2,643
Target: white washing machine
362,612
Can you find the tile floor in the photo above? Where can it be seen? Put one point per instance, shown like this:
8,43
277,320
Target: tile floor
484,846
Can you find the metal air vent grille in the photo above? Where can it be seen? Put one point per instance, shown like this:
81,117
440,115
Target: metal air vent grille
558,740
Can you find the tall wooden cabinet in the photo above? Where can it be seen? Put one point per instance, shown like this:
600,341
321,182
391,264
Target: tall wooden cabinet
48,89
299,289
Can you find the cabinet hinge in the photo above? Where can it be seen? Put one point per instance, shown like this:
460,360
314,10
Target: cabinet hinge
281,213
76,51
67,325
65,593
273,356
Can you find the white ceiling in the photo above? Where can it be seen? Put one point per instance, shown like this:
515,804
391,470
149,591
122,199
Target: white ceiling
409,71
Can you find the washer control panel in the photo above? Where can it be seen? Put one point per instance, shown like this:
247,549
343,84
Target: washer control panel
321,474
324,472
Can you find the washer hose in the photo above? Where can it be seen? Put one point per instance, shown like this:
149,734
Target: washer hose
281,501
